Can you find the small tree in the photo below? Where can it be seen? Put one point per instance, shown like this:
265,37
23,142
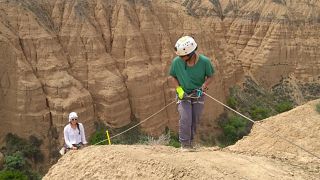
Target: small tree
29,148
15,161
233,129
19,153
98,136
259,112
232,102
100,133
284,106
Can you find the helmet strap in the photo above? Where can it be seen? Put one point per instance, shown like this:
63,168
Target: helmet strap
190,56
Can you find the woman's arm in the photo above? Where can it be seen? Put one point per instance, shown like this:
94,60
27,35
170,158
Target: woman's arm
83,135
66,137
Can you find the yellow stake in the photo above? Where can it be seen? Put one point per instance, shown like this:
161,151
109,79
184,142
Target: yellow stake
108,137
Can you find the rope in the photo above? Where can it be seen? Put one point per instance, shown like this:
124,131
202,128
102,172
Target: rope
274,133
136,124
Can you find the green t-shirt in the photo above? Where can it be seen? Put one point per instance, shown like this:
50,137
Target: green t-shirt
191,78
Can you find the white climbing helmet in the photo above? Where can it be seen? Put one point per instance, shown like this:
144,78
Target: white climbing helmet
73,115
185,45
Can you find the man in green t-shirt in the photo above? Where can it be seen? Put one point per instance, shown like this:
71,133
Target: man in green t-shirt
191,73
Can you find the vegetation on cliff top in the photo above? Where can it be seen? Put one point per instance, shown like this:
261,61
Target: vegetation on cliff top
255,103
20,157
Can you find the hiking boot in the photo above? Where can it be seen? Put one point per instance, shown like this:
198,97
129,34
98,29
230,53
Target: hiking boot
62,151
187,148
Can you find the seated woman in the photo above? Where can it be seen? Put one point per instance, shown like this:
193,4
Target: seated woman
74,136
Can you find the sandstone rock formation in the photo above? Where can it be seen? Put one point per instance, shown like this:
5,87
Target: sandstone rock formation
108,60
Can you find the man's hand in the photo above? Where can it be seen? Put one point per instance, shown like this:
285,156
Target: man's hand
204,87
180,92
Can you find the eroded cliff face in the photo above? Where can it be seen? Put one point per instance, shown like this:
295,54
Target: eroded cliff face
272,39
108,60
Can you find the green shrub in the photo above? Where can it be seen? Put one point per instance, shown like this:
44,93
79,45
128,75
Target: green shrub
34,149
233,129
255,102
133,136
15,161
318,107
19,153
174,140
14,143
232,102
258,113
12,175
32,175
284,106
98,136
29,148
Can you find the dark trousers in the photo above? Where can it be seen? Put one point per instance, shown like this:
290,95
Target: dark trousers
190,111
78,146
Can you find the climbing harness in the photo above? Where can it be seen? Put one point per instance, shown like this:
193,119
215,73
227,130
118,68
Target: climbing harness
194,94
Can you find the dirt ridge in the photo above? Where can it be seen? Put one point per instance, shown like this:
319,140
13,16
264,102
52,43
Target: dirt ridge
258,156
